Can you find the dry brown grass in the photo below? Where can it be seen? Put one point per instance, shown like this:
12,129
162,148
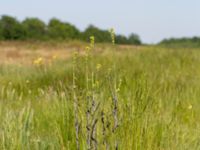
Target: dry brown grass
25,52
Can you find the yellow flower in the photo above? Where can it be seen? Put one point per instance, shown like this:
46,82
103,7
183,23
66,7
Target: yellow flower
190,107
112,33
54,57
38,61
98,67
117,90
87,50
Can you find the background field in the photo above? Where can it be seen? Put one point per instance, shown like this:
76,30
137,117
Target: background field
46,89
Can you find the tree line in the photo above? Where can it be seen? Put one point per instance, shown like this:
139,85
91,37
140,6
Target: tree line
36,29
181,42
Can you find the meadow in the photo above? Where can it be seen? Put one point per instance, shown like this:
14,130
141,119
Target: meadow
98,96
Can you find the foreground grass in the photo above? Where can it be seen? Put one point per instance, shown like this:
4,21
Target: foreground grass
157,94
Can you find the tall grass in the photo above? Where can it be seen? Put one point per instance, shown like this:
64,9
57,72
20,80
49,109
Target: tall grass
133,99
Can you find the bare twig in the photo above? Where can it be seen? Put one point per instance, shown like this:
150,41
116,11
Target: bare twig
115,111
93,134
76,121
104,126
88,125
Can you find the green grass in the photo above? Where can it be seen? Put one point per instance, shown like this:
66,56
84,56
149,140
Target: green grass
158,93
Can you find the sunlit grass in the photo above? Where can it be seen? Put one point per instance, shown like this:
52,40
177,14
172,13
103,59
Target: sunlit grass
157,90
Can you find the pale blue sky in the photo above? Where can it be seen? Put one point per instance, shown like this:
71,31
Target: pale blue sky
153,20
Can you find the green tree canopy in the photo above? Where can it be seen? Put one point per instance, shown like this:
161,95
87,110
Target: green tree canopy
10,28
181,42
1,31
134,39
121,39
60,30
34,28
100,35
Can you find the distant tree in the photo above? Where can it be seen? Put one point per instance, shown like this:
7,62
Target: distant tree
1,31
134,39
11,29
100,35
60,30
181,42
121,39
196,39
34,28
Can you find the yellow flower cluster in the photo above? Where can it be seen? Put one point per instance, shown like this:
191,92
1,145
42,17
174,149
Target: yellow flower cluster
112,33
38,61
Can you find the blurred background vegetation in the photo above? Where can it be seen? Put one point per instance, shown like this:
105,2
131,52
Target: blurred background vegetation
193,42
36,29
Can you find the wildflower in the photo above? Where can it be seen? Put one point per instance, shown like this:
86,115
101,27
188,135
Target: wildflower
98,67
112,33
87,50
54,57
38,61
190,107
117,90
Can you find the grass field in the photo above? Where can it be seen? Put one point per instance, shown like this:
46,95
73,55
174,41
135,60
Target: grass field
63,96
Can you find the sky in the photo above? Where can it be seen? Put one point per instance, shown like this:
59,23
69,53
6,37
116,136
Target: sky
152,20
